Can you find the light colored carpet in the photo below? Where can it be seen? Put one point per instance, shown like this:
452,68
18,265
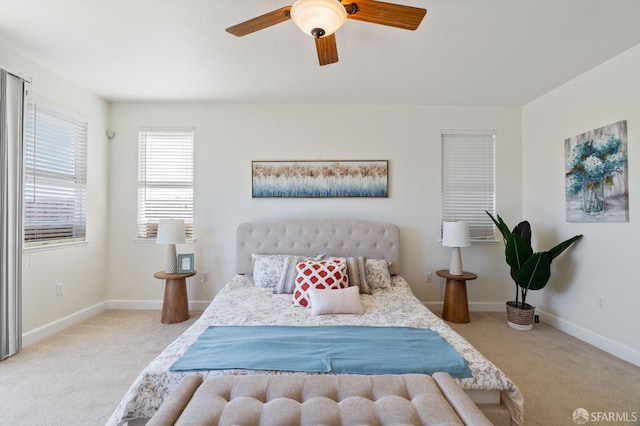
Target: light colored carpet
555,372
78,376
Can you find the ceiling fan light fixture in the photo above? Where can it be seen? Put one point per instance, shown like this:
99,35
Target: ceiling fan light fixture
318,18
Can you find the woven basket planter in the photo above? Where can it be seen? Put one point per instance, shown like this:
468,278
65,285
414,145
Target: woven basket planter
520,318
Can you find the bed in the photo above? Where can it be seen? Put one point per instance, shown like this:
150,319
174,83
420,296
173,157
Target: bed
243,303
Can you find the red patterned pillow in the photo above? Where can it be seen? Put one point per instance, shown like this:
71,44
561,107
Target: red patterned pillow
323,274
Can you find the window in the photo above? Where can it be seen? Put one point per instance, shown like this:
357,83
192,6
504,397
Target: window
55,176
468,180
165,179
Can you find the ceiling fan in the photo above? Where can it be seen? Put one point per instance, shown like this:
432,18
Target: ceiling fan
321,18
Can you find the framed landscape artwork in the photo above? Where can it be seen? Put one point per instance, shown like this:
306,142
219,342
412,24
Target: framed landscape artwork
596,175
319,179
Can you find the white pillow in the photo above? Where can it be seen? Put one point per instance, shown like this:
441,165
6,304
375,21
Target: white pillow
342,301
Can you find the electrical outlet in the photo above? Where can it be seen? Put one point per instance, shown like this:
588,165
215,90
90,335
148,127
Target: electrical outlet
59,288
601,302
429,277
205,277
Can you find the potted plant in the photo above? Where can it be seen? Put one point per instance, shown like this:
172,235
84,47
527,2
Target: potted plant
529,270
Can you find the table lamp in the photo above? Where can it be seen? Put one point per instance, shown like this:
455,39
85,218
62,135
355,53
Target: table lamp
171,232
456,235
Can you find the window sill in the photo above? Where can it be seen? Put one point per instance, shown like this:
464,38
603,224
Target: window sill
54,246
478,242
153,240
473,242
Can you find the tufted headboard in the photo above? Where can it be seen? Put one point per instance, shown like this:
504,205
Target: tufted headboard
308,237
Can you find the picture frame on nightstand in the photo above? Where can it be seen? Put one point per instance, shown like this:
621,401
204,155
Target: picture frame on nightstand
185,263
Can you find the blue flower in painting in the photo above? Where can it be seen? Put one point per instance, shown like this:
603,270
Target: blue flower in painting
593,169
595,161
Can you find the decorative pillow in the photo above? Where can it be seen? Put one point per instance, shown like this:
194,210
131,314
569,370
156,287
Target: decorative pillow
377,273
356,272
287,281
323,274
341,301
267,269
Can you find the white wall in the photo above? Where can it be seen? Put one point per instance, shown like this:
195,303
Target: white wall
228,137
530,183
82,269
602,264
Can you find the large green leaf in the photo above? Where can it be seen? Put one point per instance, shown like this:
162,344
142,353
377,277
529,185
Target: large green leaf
535,272
502,227
555,251
524,230
517,251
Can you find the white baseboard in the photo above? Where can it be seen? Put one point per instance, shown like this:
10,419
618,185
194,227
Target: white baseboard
151,305
599,341
135,305
604,343
57,326
473,306
487,307
433,306
54,327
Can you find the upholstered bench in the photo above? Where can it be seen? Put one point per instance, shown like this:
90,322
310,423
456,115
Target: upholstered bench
281,400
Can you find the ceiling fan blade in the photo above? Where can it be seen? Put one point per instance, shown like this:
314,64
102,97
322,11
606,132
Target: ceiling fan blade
327,50
261,22
393,15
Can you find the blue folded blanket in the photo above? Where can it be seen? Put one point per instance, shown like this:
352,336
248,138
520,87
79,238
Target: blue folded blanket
323,349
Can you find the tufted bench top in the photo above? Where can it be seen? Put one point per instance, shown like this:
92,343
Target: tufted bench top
282,400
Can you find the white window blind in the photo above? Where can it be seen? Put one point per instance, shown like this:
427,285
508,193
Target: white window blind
468,180
55,176
165,179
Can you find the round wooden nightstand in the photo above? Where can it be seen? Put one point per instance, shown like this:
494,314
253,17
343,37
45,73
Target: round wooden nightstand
175,306
456,307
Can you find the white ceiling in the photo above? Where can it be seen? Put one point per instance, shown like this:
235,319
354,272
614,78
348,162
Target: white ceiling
465,52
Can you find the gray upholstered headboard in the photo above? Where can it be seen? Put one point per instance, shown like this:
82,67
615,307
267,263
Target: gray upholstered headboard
308,237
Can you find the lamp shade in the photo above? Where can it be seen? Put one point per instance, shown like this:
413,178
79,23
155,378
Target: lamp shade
170,231
455,234
318,18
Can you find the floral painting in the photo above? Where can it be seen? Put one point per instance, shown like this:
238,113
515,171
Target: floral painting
319,179
596,175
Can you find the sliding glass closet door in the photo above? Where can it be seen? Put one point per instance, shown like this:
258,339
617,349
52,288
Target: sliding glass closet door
12,95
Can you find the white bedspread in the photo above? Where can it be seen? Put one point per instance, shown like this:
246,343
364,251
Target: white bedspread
242,303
